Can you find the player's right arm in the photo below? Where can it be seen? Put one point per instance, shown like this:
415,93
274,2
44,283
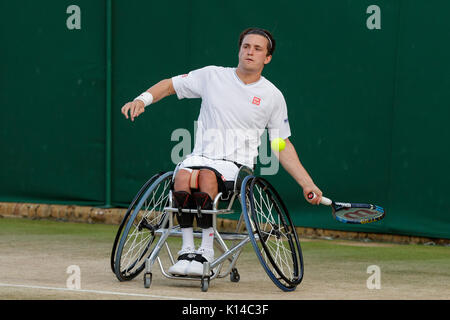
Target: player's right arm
159,91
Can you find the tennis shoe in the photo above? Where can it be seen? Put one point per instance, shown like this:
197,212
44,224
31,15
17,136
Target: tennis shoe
186,256
202,255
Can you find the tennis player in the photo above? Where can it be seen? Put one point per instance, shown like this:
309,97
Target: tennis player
237,105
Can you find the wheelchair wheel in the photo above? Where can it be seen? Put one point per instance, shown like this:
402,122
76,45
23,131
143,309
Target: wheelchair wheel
138,238
272,233
127,215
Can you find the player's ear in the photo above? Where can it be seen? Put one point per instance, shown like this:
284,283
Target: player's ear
268,59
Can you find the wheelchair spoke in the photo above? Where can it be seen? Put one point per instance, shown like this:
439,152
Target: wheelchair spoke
162,196
160,203
262,218
267,204
135,252
282,255
280,251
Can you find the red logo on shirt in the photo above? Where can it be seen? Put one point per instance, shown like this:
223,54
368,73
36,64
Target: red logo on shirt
256,101
184,75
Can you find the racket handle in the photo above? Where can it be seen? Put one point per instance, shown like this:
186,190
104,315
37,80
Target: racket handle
325,201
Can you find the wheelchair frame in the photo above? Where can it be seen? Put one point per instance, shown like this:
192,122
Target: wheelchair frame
211,270
227,254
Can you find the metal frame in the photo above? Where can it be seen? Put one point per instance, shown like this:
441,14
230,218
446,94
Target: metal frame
239,239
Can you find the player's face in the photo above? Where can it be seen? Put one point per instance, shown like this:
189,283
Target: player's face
253,52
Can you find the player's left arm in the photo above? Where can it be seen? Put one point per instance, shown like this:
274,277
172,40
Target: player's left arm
291,163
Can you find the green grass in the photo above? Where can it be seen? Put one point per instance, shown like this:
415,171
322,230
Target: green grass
394,252
416,271
314,251
25,228
21,228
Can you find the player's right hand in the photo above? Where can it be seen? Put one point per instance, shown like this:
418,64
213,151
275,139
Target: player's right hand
312,189
135,108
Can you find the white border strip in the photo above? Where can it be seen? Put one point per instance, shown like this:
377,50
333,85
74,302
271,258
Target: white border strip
94,291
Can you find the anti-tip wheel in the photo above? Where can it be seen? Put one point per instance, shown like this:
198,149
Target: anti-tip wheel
205,284
147,279
234,275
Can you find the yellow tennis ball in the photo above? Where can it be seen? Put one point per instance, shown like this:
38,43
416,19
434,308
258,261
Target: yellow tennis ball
278,144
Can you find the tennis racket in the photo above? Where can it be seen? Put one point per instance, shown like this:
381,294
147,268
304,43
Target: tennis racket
356,213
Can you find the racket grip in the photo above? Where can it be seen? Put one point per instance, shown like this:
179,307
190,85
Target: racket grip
325,201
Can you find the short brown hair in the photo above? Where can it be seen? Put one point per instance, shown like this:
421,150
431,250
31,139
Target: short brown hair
261,32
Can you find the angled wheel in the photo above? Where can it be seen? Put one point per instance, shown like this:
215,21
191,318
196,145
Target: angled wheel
127,216
138,238
272,233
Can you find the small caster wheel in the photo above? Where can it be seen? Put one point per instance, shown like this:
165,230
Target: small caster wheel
147,279
234,275
205,284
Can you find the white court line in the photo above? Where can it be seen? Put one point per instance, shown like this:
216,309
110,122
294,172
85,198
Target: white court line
94,291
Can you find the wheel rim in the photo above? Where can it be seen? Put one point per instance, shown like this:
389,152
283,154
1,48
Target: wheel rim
278,249
139,235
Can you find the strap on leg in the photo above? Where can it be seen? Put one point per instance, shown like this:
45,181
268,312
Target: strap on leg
203,201
183,200
193,181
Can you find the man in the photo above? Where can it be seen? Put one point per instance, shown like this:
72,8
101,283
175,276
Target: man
237,105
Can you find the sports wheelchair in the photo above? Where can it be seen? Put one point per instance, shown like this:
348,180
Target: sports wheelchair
264,221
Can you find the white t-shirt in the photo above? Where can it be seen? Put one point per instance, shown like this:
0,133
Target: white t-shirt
233,115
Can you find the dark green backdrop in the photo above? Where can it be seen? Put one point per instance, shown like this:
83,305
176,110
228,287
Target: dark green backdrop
368,108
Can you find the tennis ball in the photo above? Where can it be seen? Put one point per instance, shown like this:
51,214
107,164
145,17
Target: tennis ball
278,144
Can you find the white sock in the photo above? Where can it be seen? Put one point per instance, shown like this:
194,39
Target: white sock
188,238
208,238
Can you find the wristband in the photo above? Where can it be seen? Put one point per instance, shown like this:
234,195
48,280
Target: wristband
145,97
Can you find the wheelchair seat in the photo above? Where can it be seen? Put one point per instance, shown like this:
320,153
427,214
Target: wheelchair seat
226,188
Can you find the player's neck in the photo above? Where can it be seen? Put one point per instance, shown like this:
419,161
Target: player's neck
248,77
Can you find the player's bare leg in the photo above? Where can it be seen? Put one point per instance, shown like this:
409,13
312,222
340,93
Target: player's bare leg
182,181
208,183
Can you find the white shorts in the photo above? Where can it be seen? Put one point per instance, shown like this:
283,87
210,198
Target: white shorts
228,169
